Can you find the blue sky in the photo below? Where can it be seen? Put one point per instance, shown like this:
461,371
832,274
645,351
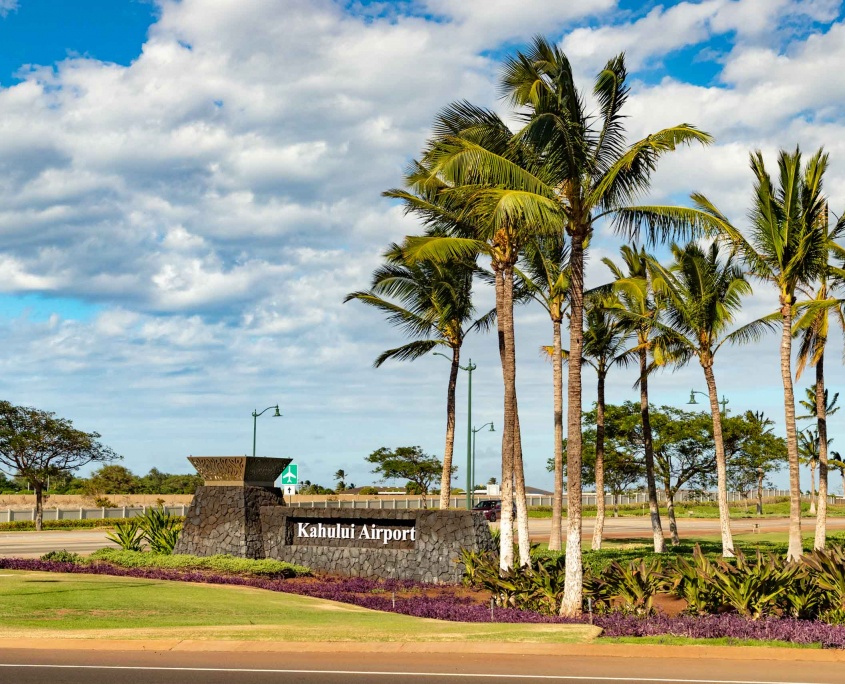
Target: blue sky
188,190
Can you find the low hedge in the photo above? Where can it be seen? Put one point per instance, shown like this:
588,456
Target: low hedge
229,565
27,525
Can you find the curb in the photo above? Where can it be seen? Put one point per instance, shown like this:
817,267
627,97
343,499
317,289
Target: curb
652,651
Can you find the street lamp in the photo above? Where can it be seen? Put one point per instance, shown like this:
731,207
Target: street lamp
255,415
475,430
469,368
693,402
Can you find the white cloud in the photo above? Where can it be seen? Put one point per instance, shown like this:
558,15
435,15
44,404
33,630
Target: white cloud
217,198
7,6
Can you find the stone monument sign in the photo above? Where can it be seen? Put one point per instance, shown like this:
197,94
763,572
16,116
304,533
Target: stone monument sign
240,512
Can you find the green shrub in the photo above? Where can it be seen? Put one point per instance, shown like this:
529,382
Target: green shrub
828,567
222,564
691,581
632,586
29,525
62,556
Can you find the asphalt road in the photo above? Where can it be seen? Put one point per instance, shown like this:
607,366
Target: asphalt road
97,667
35,544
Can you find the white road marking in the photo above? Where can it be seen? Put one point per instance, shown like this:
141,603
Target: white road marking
467,675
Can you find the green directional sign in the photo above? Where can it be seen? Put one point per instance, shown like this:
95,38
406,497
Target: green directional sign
290,475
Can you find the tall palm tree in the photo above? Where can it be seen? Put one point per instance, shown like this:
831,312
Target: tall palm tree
543,275
474,216
605,345
702,294
432,302
813,326
787,247
584,171
636,306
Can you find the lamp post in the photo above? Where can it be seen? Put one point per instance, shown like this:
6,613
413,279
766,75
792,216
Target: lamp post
472,475
255,415
469,368
692,402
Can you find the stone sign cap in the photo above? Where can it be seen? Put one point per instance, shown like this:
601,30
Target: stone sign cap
239,471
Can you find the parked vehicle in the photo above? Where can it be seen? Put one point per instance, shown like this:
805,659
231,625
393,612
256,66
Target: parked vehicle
492,509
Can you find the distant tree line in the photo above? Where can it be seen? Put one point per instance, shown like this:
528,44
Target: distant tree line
108,479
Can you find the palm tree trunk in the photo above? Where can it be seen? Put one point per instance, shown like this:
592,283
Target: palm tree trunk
572,600
557,501
670,508
446,477
648,447
821,416
796,548
598,532
504,275
615,505
812,489
721,463
522,537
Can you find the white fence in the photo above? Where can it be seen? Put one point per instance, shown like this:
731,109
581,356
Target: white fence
382,503
17,515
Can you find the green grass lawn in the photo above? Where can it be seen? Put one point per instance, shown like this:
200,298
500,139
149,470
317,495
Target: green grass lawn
51,605
779,509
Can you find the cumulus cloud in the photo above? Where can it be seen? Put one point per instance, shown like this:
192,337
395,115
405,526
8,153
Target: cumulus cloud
217,197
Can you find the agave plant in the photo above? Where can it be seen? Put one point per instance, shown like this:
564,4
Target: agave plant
128,535
160,530
828,567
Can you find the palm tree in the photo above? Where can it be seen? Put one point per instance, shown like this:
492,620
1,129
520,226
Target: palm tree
605,345
472,217
701,295
818,406
809,449
787,247
636,306
813,327
432,302
584,171
544,276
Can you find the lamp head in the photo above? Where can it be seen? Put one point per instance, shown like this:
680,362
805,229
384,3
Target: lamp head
277,414
492,429
692,400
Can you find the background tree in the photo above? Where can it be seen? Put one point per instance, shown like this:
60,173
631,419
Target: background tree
544,276
752,451
813,331
35,444
431,302
635,305
407,463
813,327
809,450
787,246
605,345
702,293
340,477
684,455
112,479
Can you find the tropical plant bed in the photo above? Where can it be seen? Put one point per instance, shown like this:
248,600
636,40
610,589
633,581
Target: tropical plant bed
456,603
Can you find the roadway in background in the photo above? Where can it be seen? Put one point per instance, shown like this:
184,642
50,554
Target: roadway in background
35,544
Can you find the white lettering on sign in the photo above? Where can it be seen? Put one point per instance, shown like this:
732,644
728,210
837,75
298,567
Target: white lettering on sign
370,532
